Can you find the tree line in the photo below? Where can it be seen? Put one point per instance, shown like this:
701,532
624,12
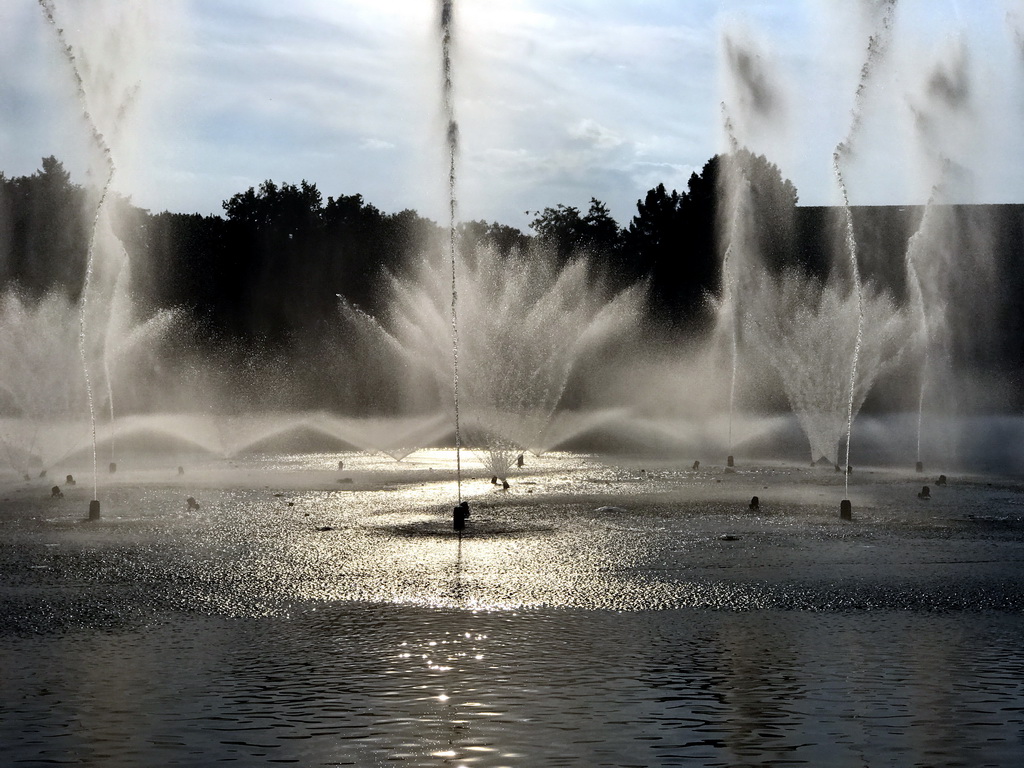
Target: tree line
272,267
273,264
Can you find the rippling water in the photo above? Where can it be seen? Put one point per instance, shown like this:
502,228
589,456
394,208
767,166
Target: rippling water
593,615
364,684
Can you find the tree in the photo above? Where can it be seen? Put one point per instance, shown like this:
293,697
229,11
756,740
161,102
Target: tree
679,240
500,236
46,238
289,207
567,232
671,241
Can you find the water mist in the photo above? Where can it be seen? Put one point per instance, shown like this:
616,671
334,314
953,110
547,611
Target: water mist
104,150
877,44
451,148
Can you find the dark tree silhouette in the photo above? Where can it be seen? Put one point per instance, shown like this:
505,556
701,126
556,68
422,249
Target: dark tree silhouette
567,232
500,236
679,240
44,238
266,274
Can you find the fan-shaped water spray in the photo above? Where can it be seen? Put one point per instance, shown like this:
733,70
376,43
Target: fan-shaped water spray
524,326
810,330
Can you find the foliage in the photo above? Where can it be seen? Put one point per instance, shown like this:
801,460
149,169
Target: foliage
568,233
270,269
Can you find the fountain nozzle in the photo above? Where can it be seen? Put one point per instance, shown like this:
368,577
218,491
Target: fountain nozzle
459,515
845,510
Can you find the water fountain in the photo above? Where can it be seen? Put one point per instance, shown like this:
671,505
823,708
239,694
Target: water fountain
524,327
808,333
828,341
105,101
41,381
949,258
348,609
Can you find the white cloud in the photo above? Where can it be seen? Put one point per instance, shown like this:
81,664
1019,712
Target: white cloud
592,133
557,102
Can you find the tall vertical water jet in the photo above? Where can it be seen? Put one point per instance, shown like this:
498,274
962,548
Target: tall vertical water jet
104,150
877,44
914,247
948,259
851,246
451,146
101,46
736,183
752,199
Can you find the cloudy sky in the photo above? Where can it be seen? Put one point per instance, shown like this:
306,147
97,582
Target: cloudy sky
558,101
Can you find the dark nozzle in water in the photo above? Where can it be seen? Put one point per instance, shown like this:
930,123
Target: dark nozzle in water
69,480
113,467
926,493
919,467
94,509
696,466
845,510
341,465
56,492
181,470
730,461
504,485
941,480
459,514
519,461
42,473
755,504
494,479
192,503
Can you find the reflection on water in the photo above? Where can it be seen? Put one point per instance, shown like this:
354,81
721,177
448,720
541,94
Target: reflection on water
591,615
362,684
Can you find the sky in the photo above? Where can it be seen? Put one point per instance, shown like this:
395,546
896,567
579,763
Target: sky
558,101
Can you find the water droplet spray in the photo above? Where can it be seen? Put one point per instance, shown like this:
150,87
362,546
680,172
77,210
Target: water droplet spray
451,145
